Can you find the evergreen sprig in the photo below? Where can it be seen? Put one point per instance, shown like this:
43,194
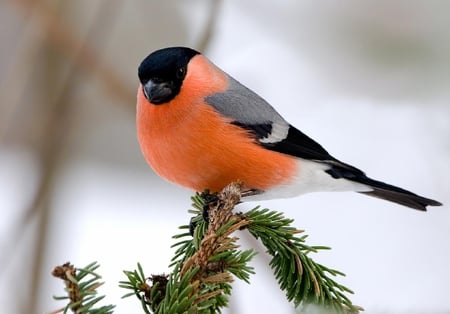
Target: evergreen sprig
81,287
207,255
203,264
304,280
137,282
207,258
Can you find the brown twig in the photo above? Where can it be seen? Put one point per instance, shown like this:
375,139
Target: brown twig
216,240
67,272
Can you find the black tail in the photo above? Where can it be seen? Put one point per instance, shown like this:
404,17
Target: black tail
383,190
398,195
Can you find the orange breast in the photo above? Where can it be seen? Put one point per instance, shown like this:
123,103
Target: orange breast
187,142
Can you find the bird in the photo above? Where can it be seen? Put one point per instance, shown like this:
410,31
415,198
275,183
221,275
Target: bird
200,128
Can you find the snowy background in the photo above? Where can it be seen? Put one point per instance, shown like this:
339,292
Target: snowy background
368,80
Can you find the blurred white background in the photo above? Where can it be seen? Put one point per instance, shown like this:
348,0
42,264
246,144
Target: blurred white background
368,80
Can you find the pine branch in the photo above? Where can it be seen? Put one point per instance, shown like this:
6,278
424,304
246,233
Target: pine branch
304,280
204,263
81,287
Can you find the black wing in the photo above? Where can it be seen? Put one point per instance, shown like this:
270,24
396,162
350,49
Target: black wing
251,112
298,144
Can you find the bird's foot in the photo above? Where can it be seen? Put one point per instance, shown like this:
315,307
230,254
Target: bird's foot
251,192
210,199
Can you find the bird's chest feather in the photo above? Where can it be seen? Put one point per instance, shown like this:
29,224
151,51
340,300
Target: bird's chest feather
198,148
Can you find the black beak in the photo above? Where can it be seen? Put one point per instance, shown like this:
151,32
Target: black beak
158,93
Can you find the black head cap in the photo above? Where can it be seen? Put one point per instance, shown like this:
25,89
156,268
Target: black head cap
162,73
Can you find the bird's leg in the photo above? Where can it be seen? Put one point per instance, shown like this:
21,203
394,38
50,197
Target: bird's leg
209,199
192,225
251,192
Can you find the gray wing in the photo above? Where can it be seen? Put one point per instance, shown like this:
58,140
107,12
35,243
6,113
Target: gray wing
251,112
243,105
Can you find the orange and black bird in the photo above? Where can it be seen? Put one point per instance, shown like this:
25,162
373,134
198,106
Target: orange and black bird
202,129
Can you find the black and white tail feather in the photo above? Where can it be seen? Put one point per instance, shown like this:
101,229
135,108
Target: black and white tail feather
319,170
383,190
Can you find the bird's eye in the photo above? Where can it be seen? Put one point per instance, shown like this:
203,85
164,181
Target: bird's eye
181,72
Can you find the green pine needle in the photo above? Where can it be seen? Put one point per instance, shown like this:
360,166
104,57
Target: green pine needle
303,280
205,263
81,287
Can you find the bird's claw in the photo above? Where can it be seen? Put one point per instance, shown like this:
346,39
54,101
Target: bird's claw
209,199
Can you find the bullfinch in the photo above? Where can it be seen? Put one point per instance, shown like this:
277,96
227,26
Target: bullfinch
202,129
